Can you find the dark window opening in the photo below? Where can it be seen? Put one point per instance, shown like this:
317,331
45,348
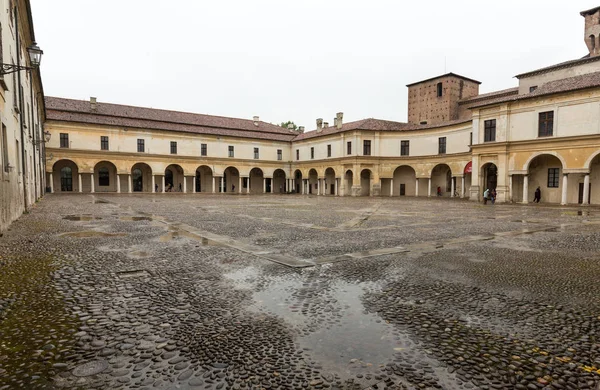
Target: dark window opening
297,154
349,147
328,150
553,177
423,122
532,88
64,140
442,145
312,153
203,149
141,147
279,154
103,177
404,148
489,134
546,122
470,138
366,147
256,153
439,90
592,42
173,147
104,142
244,182
231,154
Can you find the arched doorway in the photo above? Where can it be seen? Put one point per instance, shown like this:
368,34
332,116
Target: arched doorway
313,179
256,181
204,179
298,176
279,182
231,180
105,177
489,175
330,182
141,178
365,182
348,179
63,174
594,182
545,172
405,179
174,178
441,178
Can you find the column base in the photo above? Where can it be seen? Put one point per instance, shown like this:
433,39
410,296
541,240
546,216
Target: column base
474,194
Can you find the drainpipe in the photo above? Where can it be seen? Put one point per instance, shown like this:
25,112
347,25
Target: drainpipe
35,135
20,94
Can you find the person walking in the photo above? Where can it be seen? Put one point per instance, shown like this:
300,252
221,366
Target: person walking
486,194
538,195
233,188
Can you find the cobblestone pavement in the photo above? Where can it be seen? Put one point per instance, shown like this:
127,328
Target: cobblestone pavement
230,292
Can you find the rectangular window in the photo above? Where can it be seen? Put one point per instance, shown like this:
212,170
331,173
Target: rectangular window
439,90
231,154
64,140
546,122
328,150
404,148
442,145
553,177
312,153
203,150
141,145
532,88
104,142
489,130
256,153
297,154
349,148
279,155
5,161
366,148
173,147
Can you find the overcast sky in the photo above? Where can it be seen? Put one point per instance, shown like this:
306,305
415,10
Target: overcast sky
294,60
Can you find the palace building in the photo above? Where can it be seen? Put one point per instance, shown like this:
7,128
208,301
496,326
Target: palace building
543,133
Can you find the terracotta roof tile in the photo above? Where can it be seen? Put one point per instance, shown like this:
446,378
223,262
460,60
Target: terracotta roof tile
490,95
566,64
70,110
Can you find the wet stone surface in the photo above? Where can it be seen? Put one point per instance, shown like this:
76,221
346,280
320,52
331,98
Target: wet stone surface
262,292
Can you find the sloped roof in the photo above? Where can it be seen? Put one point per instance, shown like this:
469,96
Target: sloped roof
590,80
445,75
562,65
490,95
70,110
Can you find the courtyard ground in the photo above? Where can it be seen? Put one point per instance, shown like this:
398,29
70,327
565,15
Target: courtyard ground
275,291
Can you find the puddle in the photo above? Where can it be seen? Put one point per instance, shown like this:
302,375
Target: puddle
96,201
173,235
136,219
81,217
91,233
243,279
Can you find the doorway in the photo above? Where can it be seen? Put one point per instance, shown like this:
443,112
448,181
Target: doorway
402,189
580,199
66,179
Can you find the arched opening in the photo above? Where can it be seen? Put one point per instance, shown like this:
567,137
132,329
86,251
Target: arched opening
594,182
231,180
489,175
545,172
174,178
204,179
404,181
141,178
313,179
279,181
63,174
330,182
348,179
256,181
299,183
592,42
365,182
441,180
105,177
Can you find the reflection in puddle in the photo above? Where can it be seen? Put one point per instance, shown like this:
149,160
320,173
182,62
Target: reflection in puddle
173,235
135,219
91,233
81,217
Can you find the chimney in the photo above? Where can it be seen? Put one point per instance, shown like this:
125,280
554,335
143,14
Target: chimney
93,104
300,129
290,127
325,125
255,118
319,125
340,118
334,122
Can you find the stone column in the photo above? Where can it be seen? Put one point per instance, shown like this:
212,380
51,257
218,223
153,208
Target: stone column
510,188
586,189
153,184
221,189
337,186
565,186
214,187
163,184
130,184
462,188
239,184
525,189
318,186
184,185
391,187
80,181
452,186
416,187
193,184
429,188
92,182
265,185
118,184
52,183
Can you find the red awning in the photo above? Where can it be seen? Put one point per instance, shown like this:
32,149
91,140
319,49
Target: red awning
469,167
